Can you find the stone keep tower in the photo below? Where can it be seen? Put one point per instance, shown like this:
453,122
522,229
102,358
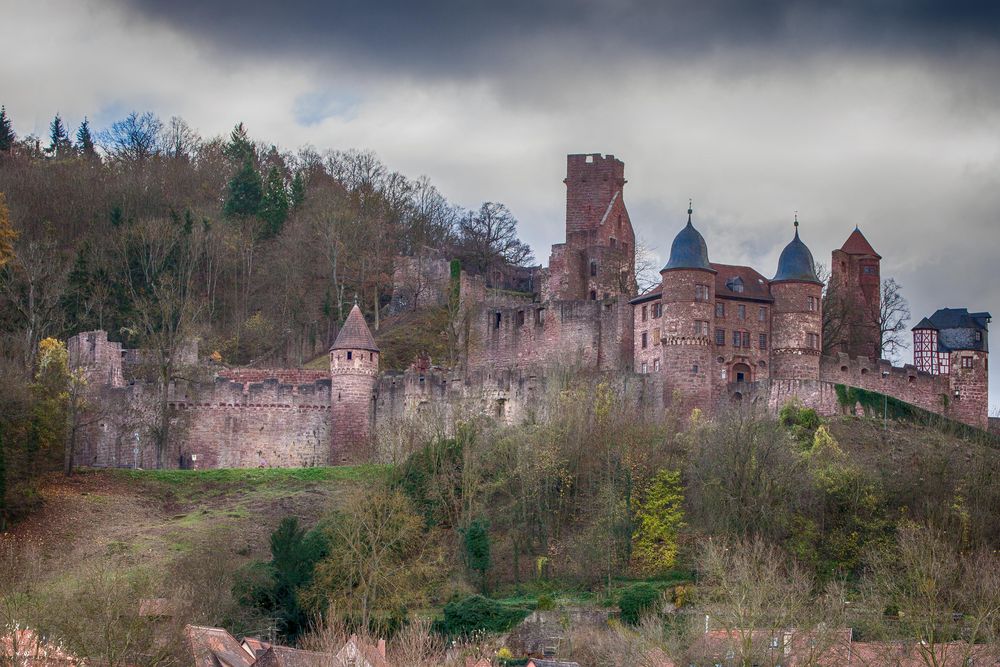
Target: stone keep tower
687,298
353,375
797,316
855,279
597,260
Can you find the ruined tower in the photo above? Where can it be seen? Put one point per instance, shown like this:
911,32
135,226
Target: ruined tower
855,294
687,296
597,261
353,375
797,316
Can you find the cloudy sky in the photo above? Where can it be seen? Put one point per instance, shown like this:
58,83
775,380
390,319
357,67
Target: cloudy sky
881,114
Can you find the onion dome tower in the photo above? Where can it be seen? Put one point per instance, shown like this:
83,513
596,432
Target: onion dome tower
353,375
797,318
687,295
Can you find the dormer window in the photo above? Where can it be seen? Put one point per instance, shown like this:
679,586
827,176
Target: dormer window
735,284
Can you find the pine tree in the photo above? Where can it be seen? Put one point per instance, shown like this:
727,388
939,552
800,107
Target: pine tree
239,148
7,233
298,190
59,143
245,192
7,135
274,204
85,140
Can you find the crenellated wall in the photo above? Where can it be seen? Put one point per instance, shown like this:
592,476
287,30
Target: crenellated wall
905,383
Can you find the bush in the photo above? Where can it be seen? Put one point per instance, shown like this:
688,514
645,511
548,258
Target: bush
476,613
636,600
545,602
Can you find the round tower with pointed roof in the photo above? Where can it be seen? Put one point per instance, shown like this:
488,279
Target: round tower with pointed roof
797,314
686,298
353,377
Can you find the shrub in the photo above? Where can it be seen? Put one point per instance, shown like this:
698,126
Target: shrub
636,600
476,613
545,602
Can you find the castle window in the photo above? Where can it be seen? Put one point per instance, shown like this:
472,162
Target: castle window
720,337
694,369
614,242
656,365
746,339
741,312
593,295
619,221
540,317
762,314
657,310
737,339
812,303
979,336
371,356
966,362
644,371
813,341
720,309
656,336
869,270
496,320
701,292
644,341
763,341
700,328
644,313
349,354
735,284
520,318
593,268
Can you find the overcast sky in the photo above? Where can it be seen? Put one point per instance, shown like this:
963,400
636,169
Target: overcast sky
879,114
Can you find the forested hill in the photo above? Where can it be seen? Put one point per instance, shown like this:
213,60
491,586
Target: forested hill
258,251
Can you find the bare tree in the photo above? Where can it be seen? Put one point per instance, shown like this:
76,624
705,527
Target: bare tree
158,260
752,592
135,138
488,239
893,316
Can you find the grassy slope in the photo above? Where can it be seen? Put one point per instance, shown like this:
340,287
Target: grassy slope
155,517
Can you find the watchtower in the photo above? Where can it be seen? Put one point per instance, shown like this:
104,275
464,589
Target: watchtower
353,376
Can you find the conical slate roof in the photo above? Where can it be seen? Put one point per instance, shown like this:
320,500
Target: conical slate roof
355,334
924,324
796,262
857,244
689,250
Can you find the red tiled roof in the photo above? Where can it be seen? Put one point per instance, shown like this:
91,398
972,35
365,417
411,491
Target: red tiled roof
857,244
355,334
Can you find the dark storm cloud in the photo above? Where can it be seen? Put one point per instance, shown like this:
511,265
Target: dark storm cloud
461,38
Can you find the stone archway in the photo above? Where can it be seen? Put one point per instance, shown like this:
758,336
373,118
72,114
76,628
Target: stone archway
741,373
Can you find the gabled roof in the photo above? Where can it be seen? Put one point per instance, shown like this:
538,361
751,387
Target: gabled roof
755,285
958,329
355,334
857,244
212,647
924,324
362,654
283,656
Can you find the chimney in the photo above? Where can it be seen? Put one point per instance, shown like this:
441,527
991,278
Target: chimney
381,647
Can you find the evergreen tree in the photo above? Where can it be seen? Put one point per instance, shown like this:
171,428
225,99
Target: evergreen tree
245,192
239,148
85,140
59,143
298,190
7,135
274,203
477,549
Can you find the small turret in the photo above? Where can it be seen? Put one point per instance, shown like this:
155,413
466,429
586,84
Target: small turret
797,316
354,360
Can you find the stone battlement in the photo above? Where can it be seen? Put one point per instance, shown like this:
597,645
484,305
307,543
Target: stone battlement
903,382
